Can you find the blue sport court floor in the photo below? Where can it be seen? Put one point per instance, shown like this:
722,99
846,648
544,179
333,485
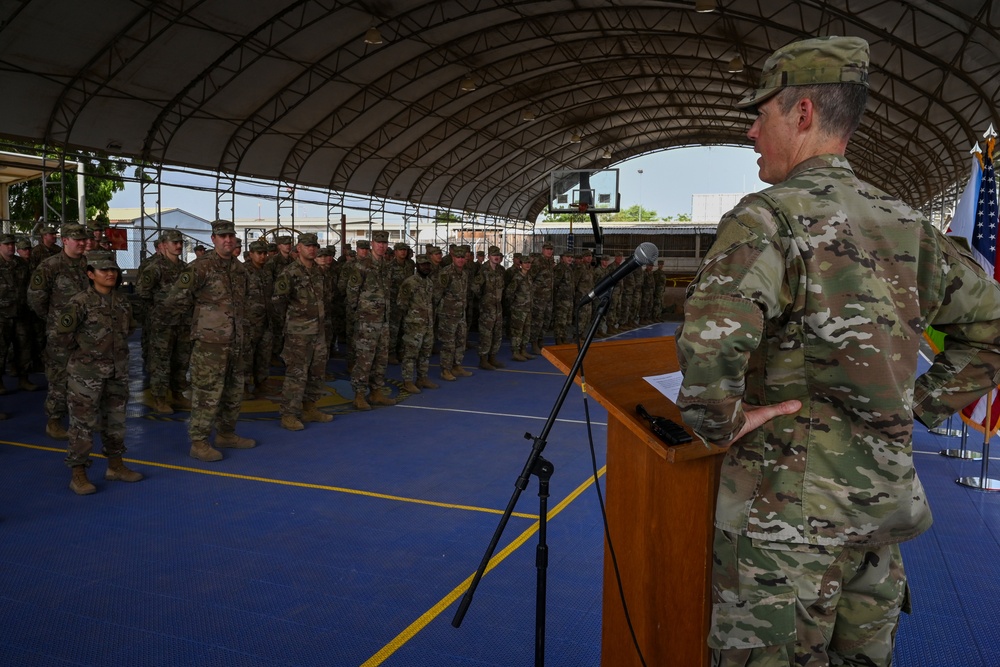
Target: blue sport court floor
350,543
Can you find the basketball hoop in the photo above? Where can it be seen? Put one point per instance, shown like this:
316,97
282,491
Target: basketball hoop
583,206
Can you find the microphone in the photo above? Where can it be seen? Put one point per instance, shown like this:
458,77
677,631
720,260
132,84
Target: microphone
644,255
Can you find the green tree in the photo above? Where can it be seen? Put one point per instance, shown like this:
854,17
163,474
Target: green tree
680,217
102,179
633,213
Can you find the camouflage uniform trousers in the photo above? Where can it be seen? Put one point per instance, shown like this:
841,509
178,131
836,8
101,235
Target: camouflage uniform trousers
169,358
14,339
520,329
796,605
96,405
490,331
257,354
451,334
395,330
305,358
615,315
581,323
370,344
56,359
541,314
350,326
562,318
418,340
216,389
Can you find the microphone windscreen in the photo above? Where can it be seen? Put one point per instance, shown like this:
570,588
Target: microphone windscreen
646,253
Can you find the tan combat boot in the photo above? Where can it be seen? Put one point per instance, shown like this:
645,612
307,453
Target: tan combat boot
24,384
160,406
291,423
310,413
485,364
458,371
117,472
425,383
360,403
80,485
446,375
233,441
527,355
54,429
517,356
410,387
496,363
181,402
201,450
379,398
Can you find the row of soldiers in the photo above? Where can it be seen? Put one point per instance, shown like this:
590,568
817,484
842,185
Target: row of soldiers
219,321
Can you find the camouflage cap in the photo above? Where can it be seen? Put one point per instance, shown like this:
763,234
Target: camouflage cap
308,239
400,246
435,250
325,251
586,253
172,235
199,247
809,62
220,227
7,238
74,231
380,236
101,259
423,259
239,241
530,257
272,247
23,243
49,229
284,239
548,246
517,255
482,253
363,244
258,246
460,251
99,223
494,250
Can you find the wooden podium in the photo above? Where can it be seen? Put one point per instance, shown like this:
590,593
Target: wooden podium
660,504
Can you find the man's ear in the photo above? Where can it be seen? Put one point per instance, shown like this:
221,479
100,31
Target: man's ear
806,113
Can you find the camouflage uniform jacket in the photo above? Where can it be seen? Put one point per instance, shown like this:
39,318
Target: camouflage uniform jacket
562,282
366,288
518,293
13,287
94,328
216,289
300,298
276,264
819,289
416,300
451,292
42,252
56,280
155,279
260,287
489,283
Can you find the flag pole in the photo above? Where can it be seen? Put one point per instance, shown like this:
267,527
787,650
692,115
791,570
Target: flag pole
983,482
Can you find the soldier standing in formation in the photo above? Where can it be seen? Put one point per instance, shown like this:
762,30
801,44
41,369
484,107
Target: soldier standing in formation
14,335
169,335
54,282
451,293
93,328
257,321
214,287
518,297
562,291
542,284
47,248
300,300
416,302
367,297
400,268
275,265
489,289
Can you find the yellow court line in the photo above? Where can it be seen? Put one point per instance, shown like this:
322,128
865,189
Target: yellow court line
411,631
303,485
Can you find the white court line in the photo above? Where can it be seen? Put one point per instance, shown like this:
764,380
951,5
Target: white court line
498,414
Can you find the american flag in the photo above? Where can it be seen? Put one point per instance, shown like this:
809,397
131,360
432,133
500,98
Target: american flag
984,243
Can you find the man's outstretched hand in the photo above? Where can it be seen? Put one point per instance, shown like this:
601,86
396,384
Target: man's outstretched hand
757,416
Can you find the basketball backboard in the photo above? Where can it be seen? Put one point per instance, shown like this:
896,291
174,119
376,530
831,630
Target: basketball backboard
584,191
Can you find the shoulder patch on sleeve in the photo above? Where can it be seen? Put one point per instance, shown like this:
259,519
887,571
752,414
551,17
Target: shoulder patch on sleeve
68,319
39,280
282,286
186,279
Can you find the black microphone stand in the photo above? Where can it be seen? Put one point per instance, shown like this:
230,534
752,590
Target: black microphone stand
538,466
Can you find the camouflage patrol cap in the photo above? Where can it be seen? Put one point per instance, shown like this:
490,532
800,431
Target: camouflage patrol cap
517,255
199,247
530,257
99,223
258,246
284,239
494,250
23,243
308,239
435,250
423,259
460,251
400,246
74,231
239,241
482,253
809,62
380,236
548,246
6,238
272,247
325,251
49,229
101,259
586,253
364,244
172,235
220,227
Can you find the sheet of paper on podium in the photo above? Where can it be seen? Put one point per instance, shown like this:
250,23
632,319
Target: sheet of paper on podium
668,384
